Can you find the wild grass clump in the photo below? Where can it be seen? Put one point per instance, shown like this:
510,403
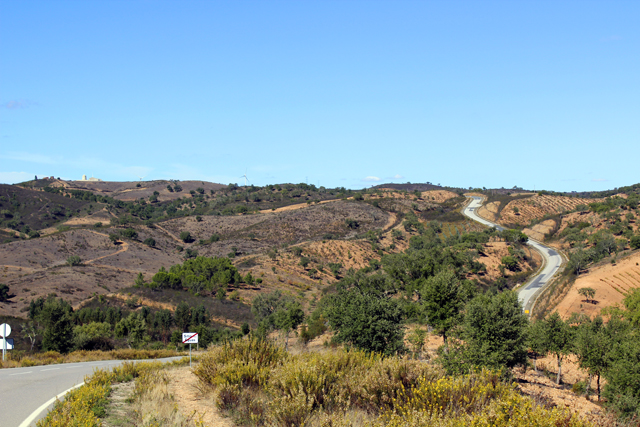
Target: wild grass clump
243,362
474,400
259,384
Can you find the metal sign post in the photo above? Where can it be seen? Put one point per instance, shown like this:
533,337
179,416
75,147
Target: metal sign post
5,330
189,338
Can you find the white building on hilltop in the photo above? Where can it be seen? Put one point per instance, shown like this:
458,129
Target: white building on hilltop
84,178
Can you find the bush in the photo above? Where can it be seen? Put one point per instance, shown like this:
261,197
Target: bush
129,233
74,260
150,241
185,236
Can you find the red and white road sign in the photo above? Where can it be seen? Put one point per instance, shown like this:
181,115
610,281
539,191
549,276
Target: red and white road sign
189,338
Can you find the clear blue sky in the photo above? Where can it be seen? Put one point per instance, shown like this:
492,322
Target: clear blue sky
542,94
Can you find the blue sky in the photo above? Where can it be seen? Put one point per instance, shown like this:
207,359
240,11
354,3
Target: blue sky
542,94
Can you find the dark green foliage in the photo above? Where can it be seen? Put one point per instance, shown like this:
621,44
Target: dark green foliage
185,236
494,331
150,241
129,233
634,242
510,262
197,274
444,296
352,223
4,292
622,390
55,316
182,316
558,339
74,260
366,321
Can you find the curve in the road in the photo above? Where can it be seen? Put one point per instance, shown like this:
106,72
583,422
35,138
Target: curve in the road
26,393
552,259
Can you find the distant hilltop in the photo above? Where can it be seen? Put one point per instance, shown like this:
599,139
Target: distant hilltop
84,178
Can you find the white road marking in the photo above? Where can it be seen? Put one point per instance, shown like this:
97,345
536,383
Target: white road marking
50,369
44,406
21,373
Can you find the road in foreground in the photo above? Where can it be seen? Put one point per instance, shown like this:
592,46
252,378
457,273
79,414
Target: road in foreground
552,259
24,390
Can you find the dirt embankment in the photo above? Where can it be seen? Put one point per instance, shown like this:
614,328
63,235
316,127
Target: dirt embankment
611,282
538,231
489,211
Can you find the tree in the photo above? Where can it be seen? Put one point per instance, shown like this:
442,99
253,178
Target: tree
588,293
264,306
510,262
634,242
150,241
443,296
182,316
578,260
558,339
30,330
139,282
93,336
592,346
537,341
133,328
55,316
163,320
495,331
366,321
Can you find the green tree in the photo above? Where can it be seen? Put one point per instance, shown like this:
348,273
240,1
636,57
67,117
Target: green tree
443,296
537,341
592,346
182,316
558,339
139,282
495,331
150,241
588,293
510,262
133,328
93,336
366,321
634,242
163,320
55,316
264,305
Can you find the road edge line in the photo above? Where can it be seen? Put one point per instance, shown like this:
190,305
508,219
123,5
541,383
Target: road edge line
44,406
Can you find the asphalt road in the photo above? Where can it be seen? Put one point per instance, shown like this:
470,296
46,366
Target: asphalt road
25,390
553,260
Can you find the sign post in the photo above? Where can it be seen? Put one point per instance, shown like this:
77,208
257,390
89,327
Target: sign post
189,338
5,331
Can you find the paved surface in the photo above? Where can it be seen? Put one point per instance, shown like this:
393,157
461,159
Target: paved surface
553,260
24,390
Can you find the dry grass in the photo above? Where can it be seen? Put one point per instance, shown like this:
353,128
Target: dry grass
259,384
53,357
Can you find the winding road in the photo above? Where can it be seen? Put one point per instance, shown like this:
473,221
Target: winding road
26,394
552,259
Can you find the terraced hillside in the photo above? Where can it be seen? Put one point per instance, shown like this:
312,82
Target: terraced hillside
522,211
